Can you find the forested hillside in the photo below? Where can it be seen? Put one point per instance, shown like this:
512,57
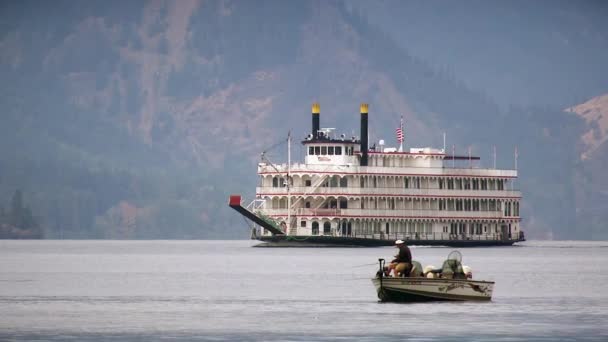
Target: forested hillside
138,119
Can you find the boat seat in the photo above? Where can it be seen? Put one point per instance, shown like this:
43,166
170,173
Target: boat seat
416,270
452,269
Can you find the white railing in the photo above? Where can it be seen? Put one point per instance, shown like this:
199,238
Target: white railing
256,204
379,213
378,170
394,191
431,236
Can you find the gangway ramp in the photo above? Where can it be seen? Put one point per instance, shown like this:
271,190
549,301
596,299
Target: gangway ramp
235,203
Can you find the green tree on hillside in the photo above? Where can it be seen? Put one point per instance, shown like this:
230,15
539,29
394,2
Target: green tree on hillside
16,213
19,221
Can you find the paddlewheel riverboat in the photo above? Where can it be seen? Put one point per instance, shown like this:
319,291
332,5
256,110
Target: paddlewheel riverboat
347,193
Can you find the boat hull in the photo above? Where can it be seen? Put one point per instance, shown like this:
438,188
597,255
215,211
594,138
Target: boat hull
411,290
338,241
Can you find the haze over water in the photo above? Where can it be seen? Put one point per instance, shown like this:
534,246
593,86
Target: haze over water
216,290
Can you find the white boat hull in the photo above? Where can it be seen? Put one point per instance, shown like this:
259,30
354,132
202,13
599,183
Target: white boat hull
391,289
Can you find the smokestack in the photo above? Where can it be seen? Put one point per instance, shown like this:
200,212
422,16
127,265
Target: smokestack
316,109
364,110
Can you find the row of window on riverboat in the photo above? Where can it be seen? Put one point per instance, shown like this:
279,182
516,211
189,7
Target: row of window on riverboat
346,228
406,182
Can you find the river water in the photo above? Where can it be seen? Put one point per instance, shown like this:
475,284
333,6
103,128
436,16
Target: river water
227,290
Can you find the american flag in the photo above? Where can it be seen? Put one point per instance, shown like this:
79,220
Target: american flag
400,132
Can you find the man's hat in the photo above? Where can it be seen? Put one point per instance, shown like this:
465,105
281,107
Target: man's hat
398,242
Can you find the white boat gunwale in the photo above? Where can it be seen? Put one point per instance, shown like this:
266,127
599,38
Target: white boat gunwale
388,288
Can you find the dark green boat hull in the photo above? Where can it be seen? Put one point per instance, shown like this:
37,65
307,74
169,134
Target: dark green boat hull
335,241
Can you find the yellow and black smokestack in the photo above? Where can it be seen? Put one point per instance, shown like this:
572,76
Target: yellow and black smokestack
364,111
316,109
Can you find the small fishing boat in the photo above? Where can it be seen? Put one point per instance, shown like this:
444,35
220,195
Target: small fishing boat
448,283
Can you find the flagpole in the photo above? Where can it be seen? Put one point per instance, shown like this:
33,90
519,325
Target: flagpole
401,140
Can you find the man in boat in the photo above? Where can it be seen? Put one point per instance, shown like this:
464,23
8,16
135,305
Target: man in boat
402,264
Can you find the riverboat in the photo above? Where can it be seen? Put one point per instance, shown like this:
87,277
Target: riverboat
347,193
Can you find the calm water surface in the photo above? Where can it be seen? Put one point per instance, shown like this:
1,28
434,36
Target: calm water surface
226,290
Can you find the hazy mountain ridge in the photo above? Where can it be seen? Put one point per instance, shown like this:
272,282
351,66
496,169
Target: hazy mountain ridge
592,186
595,114
138,121
546,52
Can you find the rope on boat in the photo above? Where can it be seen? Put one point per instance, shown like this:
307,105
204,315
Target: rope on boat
271,147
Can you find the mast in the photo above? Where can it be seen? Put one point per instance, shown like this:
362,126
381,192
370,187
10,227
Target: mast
516,156
288,183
